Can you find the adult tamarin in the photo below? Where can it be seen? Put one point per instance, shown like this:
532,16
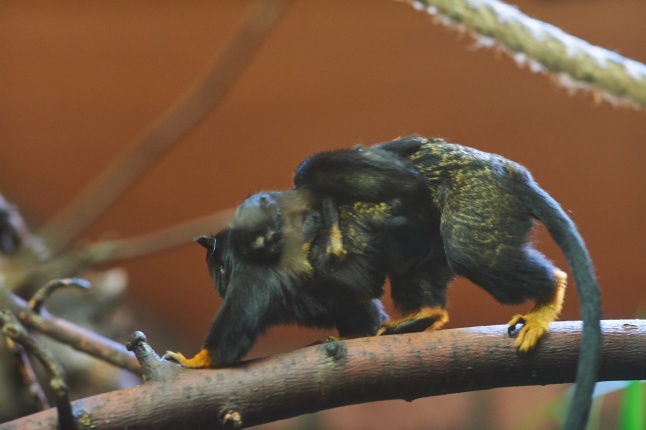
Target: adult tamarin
419,211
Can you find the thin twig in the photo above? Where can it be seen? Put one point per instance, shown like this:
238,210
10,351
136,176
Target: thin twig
357,371
544,47
28,375
77,337
157,241
38,299
12,328
203,96
77,260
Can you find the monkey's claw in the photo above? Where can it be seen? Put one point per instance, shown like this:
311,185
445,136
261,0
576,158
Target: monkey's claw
533,329
517,319
202,359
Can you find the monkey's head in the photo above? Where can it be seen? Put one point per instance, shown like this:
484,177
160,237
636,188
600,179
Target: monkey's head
257,229
265,240
264,245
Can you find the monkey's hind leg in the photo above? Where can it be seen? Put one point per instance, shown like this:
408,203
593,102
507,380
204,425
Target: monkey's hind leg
536,322
426,318
420,294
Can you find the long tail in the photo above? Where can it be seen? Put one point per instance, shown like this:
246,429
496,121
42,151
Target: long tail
566,236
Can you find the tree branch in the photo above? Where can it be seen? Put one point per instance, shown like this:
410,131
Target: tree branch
12,329
356,371
204,95
577,63
77,260
28,375
70,334
162,240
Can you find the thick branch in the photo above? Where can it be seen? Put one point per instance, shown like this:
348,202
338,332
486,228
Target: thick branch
577,63
356,371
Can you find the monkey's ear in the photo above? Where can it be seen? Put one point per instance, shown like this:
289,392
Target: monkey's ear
206,241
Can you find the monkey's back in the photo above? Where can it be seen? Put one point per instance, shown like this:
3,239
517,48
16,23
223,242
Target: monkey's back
462,168
478,195
358,222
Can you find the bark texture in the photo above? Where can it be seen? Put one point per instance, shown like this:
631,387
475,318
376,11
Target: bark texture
354,371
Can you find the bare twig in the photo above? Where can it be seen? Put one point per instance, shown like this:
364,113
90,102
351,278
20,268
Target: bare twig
12,328
158,241
203,96
577,63
28,375
80,259
357,371
77,337
38,299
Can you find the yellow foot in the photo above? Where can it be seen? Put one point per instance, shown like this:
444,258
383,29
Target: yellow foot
533,329
536,322
202,359
424,319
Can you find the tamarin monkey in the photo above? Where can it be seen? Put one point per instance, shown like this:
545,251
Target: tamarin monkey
416,210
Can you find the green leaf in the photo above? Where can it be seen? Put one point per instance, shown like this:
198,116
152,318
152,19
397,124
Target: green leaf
631,409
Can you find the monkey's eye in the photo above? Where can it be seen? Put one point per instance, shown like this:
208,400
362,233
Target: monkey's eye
222,270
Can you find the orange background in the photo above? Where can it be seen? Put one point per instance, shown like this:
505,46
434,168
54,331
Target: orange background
78,80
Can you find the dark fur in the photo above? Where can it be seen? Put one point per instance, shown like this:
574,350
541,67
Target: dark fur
484,206
419,211
304,286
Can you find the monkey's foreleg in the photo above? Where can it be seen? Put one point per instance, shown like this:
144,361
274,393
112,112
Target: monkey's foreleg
201,360
536,322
